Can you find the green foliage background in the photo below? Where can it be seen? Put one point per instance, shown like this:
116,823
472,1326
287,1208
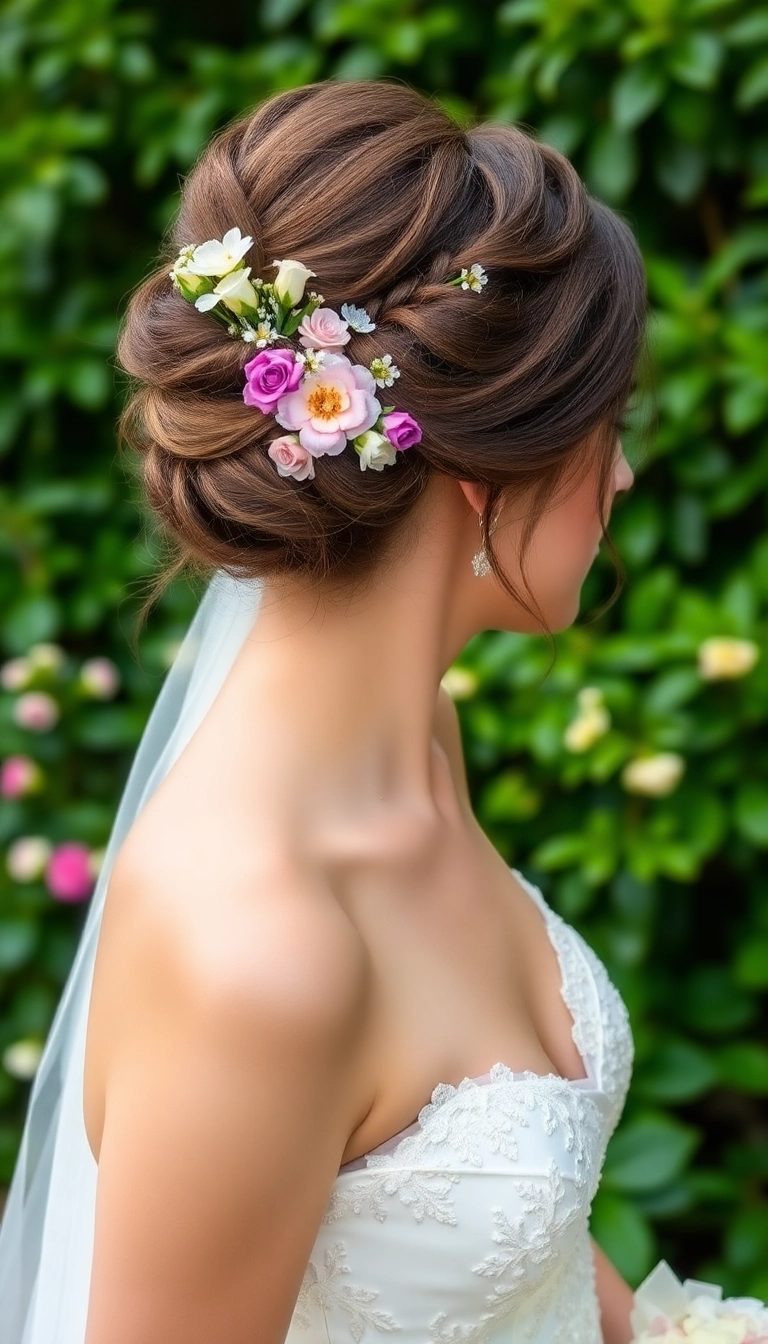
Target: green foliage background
662,106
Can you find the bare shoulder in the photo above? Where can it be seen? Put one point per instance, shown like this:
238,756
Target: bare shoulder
248,936
230,1094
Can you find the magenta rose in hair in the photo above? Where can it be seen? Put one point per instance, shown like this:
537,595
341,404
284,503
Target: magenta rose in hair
269,376
401,429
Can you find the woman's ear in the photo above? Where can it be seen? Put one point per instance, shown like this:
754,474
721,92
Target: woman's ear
476,495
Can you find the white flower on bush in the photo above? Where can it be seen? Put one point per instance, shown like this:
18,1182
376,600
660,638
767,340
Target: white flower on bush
375,451
654,776
217,258
36,710
27,856
459,682
721,657
290,281
15,674
21,1059
100,678
591,723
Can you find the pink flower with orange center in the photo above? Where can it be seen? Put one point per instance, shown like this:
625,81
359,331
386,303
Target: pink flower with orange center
330,406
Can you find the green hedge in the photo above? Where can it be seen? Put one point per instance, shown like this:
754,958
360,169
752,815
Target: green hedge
661,105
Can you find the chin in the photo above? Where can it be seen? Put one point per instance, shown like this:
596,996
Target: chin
561,615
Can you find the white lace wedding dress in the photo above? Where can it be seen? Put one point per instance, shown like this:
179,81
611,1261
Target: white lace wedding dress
471,1226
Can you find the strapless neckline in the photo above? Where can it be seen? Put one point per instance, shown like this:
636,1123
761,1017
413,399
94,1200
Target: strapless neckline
587,1083
472,1224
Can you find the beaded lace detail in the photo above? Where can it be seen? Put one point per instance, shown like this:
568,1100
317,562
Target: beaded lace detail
474,1228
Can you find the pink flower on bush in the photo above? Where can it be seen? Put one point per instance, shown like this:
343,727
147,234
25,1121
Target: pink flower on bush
100,677
269,376
331,405
401,429
323,330
68,874
36,710
15,673
19,775
291,458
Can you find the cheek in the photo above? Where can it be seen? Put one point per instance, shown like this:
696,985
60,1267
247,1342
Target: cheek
561,554
567,540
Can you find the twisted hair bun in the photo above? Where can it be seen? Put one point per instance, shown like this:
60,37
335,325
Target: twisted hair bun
379,192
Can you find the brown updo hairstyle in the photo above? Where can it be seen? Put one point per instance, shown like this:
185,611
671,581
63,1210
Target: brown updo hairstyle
378,191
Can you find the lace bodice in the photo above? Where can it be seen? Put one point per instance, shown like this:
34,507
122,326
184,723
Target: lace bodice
471,1225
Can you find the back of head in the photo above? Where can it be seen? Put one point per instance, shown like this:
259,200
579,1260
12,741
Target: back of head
377,190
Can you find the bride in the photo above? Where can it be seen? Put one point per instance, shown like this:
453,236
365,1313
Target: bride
325,1068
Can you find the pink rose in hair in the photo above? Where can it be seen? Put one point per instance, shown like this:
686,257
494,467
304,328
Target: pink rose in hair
333,404
269,376
401,429
323,330
290,458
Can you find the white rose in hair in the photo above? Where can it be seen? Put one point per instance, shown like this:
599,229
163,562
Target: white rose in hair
290,281
234,291
375,451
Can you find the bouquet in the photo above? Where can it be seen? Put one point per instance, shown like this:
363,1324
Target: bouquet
667,1311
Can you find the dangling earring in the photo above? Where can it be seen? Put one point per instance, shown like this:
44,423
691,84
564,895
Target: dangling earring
481,564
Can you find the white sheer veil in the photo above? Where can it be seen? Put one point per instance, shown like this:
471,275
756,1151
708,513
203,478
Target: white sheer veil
46,1235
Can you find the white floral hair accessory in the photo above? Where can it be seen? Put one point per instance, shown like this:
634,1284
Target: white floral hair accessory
473,277
316,392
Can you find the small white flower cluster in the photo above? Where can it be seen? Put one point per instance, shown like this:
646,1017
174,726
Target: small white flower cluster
473,277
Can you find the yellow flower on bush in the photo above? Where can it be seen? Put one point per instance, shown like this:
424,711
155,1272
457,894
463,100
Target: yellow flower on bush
654,776
592,721
722,656
459,682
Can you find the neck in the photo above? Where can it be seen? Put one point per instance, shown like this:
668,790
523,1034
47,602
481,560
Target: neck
346,692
